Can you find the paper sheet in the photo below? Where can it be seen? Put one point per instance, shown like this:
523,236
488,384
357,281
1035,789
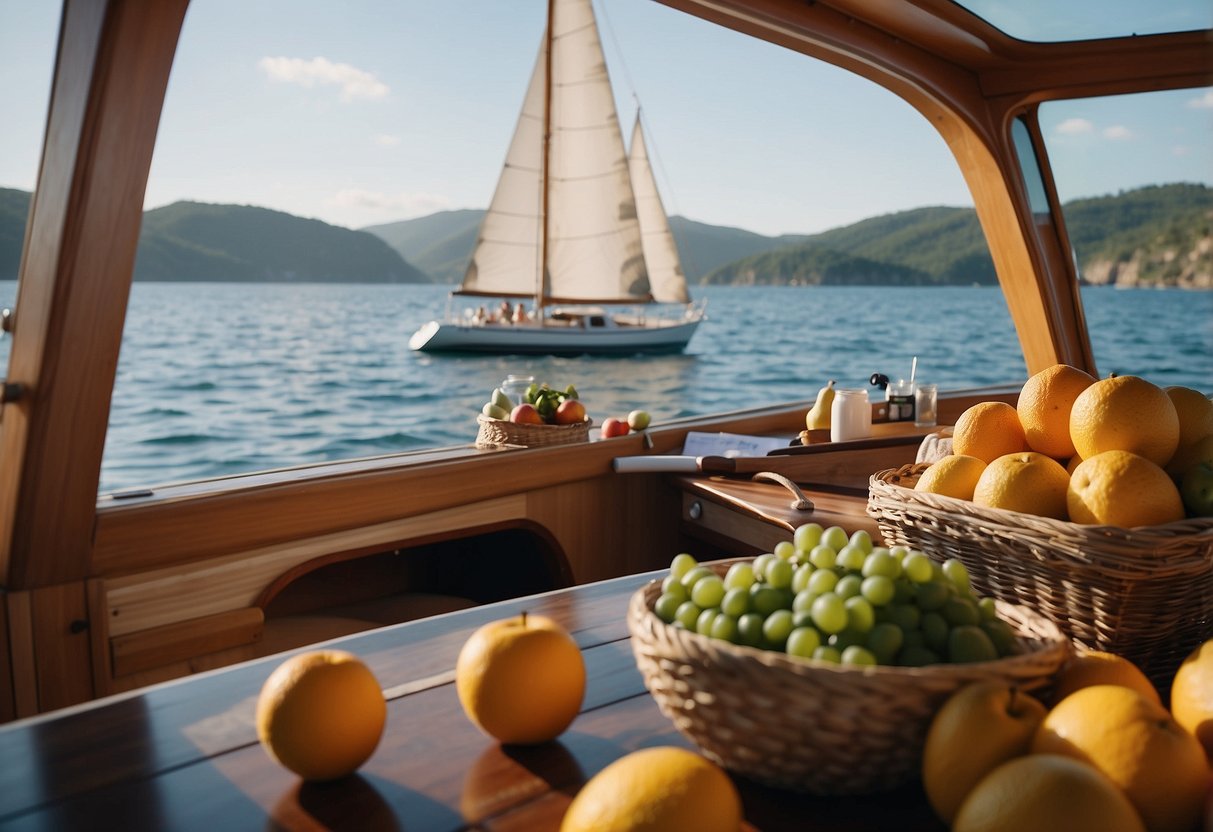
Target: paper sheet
730,444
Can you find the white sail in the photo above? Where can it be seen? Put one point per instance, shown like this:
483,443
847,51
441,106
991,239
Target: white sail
594,248
669,284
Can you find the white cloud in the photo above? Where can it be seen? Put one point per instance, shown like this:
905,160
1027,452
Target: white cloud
1181,150
1205,102
1075,126
404,205
385,140
1117,132
354,82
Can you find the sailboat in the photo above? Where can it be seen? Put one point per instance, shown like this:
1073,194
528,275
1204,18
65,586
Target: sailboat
575,225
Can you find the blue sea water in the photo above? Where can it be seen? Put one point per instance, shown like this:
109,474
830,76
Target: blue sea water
217,379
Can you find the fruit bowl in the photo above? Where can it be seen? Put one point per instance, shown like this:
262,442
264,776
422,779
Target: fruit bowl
497,432
810,725
1144,593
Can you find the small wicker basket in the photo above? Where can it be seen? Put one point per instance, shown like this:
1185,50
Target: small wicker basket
496,432
808,725
1143,593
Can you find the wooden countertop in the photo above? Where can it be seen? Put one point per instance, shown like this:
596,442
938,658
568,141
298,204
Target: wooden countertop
184,755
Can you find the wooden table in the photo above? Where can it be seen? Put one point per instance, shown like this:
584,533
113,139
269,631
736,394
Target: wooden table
184,755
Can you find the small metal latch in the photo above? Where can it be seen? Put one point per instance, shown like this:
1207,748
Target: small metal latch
11,391
6,319
696,510
78,626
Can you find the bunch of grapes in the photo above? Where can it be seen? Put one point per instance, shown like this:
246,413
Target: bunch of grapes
829,596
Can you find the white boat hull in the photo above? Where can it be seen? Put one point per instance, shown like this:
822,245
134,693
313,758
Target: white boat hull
555,339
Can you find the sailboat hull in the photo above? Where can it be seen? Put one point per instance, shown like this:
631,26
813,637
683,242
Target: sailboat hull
554,339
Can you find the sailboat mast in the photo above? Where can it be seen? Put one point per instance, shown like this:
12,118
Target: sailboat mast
547,160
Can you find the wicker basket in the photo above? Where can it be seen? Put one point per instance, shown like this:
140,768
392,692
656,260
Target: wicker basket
495,432
814,726
1144,593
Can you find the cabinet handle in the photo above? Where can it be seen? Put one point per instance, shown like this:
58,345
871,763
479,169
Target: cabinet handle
801,503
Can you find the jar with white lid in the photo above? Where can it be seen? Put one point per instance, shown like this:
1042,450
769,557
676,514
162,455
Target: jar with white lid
850,415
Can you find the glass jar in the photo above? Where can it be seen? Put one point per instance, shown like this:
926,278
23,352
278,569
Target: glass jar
515,386
850,415
901,400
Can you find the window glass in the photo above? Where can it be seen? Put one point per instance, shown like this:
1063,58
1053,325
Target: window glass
1134,174
1048,20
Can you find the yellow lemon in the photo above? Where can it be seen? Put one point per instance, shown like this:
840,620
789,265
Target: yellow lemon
1159,766
1192,695
1125,413
1046,792
988,430
656,790
1118,488
1095,667
953,476
1044,408
321,714
1029,482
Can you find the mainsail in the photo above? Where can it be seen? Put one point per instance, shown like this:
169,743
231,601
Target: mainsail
594,247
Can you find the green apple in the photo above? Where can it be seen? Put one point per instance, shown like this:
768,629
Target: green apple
638,420
1197,490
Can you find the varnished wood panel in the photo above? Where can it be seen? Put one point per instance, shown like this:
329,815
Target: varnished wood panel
8,704
21,647
62,648
99,638
194,637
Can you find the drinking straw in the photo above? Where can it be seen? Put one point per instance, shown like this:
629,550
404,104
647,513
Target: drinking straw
913,370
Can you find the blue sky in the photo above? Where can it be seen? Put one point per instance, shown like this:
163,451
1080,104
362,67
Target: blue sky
368,112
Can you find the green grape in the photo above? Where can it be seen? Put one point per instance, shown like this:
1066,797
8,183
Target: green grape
848,586
777,627
862,539
935,631
900,552
829,613
749,629
884,641
823,556
803,602
860,615
800,578
673,586
739,576
696,574
687,614
802,618
967,643
703,624
835,537
806,537
736,602
904,590
825,653
932,595
917,567
852,558
784,550
802,641
708,592
960,611
760,565
881,563
725,628
905,616
858,655
847,638
822,581
682,564
1003,636
878,589
958,574
916,655
667,607
913,638
988,610
768,599
779,573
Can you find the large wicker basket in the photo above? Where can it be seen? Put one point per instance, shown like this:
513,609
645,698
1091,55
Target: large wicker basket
1144,593
808,725
496,432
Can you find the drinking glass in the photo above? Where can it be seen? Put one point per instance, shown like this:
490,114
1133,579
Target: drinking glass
926,403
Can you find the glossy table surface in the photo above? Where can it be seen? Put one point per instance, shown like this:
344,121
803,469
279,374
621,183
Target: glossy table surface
184,755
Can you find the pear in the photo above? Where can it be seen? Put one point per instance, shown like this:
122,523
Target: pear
500,399
818,417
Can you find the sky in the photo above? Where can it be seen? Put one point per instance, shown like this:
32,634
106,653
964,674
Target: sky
373,111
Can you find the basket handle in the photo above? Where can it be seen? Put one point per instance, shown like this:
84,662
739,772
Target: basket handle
801,503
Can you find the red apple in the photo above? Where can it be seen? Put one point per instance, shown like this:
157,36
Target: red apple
614,427
526,414
570,412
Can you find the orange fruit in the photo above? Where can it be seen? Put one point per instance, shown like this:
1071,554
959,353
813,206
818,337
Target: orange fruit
1159,766
1047,792
953,476
1125,413
1192,695
988,430
1074,462
1118,488
1095,667
1044,408
1029,482
1195,412
1188,457
655,790
321,714
521,680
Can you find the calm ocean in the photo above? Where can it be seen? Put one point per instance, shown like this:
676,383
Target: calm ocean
218,379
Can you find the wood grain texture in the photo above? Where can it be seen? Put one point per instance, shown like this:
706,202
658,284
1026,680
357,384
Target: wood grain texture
8,704
62,648
183,640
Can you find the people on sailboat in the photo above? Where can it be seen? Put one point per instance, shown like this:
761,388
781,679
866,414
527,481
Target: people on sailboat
481,317
520,314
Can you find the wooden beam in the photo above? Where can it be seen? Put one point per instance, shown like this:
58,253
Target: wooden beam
21,653
62,649
110,75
